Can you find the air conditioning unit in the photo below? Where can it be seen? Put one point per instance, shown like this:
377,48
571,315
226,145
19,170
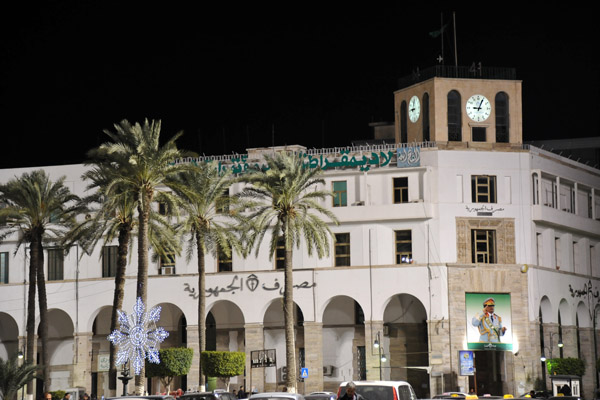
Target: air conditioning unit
327,370
359,203
282,374
167,270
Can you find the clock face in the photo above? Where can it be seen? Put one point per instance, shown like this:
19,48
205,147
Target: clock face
414,109
478,108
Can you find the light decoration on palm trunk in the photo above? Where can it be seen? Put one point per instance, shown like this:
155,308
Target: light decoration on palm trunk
138,337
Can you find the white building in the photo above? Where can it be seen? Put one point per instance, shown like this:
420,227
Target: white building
426,231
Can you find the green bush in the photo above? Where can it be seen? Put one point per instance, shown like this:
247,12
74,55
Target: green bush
223,364
174,361
58,394
565,366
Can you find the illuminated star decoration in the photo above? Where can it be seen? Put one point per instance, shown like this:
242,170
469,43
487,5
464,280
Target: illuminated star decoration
138,337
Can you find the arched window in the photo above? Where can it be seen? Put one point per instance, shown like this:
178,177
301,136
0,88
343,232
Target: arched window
454,117
425,112
403,123
502,120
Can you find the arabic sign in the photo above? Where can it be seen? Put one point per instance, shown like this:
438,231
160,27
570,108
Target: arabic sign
239,164
484,210
488,327
263,358
251,283
466,364
408,157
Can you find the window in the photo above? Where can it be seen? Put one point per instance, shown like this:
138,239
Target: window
502,120
224,261
454,117
483,246
342,249
483,189
403,247
400,190
167,264
425,107
280,254
340,194
478,134
109,261
4,267
222,205
403,123
56,264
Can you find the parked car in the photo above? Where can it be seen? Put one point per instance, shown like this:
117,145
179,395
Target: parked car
149,397
216,395
321,396
451,395
381,390
277,396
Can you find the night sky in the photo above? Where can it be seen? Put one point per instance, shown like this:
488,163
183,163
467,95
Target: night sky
228,75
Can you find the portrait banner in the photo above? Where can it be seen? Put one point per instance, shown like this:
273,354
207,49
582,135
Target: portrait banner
489,321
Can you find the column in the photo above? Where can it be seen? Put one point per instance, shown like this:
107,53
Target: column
81,374
255,340
371,353
313,339
586,344
569,339
439,355
193,377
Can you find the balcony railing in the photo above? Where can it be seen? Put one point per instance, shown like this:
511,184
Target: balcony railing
445,71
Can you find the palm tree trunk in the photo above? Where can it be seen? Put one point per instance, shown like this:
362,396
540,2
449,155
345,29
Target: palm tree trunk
38,253
201,305
124,237
288,314
31,338
142,277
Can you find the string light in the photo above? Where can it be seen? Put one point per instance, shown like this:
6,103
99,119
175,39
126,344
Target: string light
138,337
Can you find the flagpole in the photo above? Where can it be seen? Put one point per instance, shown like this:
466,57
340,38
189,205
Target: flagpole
455,50
442,35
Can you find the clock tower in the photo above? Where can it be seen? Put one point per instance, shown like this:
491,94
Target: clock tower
460,106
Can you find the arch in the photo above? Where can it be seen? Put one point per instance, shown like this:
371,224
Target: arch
343,323
454,116
565,313
502,117
226,314
60,337
545,311
171,317
583,316
9,336
406,341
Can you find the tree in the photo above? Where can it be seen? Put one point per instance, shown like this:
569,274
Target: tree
42,212
223,364
110,218
285,200
140,167
208,216
14,376
174,361
565,366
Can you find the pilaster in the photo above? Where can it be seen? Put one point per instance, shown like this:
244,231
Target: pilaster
569,339
313,337
193,377
374,330
586,344
81,373
255,340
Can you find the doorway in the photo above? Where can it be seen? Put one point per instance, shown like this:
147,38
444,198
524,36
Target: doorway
488,372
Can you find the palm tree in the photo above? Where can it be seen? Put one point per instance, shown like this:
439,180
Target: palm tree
14,376
208,221
141,166
40,211
113,218
286,202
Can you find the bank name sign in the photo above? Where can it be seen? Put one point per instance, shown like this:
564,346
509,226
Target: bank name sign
344,159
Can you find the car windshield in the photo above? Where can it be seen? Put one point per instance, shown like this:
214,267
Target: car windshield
373,392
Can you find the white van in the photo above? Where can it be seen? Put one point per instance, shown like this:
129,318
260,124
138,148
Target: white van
381,390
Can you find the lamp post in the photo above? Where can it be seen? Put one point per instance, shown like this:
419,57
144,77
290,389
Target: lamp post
560,344
20,356
382,358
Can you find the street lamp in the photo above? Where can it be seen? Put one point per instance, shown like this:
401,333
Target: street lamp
382,358
559,344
